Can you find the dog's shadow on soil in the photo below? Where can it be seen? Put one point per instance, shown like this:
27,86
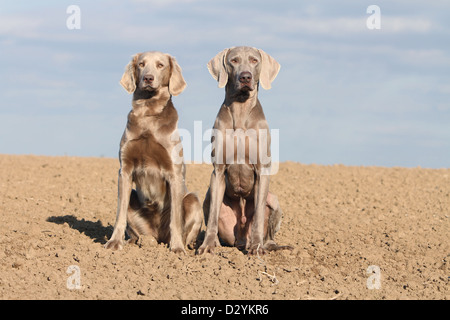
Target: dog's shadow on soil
94,230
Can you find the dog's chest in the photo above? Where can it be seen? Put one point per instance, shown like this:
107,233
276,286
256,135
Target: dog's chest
147,140
146,151
240,135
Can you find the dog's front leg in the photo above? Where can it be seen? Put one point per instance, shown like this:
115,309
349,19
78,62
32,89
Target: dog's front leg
176,223
257,236
117,239
217,191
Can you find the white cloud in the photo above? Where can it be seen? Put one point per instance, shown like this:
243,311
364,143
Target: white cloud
20,26
398,24
165,3
344,26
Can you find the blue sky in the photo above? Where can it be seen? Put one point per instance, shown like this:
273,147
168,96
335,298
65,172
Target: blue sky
345,94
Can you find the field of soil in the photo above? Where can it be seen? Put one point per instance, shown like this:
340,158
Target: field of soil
357,233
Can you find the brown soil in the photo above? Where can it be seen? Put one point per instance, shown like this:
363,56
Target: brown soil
58,212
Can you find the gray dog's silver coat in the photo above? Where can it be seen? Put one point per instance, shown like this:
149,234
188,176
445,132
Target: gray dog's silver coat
238,206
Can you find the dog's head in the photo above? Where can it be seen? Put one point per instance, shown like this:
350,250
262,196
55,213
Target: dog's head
149,71
243,68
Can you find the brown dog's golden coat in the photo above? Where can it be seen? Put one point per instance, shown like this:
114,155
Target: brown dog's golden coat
151,158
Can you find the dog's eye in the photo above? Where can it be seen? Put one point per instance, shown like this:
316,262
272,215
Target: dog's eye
253,60
159,65
141,64
234,60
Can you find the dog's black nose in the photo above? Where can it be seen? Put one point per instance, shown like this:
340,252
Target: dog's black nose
149,78
245,77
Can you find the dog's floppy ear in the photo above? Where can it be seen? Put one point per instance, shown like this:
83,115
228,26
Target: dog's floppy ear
176,81
269,70
216,67
128,80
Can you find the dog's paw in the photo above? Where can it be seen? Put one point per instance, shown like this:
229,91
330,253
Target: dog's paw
206,249
178,250
208,246
114,245
176,245
257,249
